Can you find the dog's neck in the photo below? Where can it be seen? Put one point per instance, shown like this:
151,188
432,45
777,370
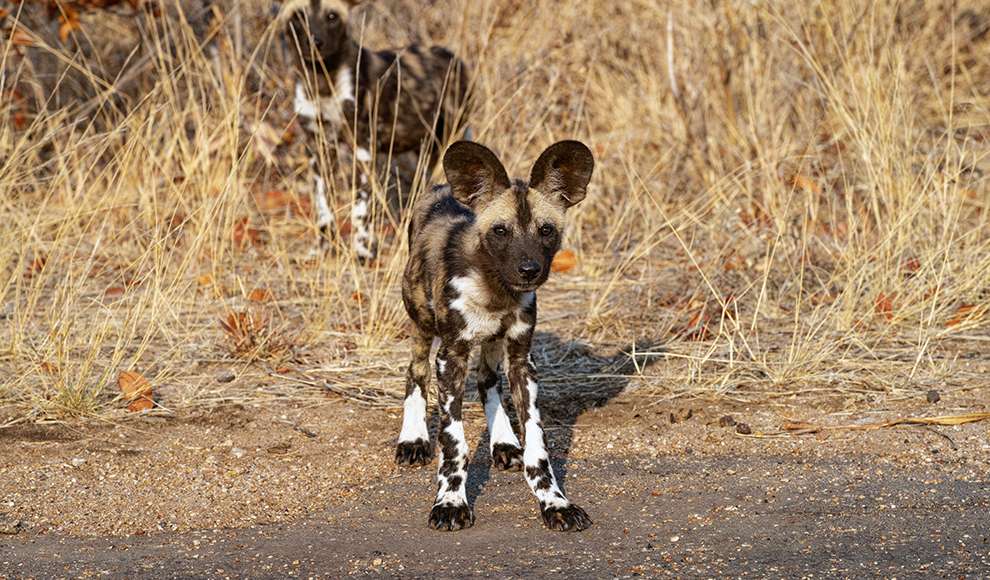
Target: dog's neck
326,76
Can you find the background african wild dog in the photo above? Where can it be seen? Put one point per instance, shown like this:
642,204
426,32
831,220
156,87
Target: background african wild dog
384,101
479,249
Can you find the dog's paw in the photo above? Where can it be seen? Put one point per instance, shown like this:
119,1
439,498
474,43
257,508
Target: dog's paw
447,517
570,518
413,453
507,457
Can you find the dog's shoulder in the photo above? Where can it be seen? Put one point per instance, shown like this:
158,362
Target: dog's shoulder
437,211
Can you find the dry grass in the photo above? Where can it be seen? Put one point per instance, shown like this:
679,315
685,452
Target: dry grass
790,200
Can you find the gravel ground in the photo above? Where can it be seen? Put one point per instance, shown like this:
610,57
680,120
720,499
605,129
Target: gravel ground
672,490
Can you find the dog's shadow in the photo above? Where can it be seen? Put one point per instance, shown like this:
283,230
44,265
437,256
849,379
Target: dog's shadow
572,379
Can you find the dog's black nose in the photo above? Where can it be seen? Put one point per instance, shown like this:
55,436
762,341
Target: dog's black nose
529,269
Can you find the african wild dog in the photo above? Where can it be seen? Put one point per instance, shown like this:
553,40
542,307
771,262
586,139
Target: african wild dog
374,101
479,249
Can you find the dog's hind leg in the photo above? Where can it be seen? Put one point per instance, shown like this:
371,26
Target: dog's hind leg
506,452
414,440
362,231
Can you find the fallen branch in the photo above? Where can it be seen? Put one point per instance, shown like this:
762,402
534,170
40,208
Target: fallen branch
794,428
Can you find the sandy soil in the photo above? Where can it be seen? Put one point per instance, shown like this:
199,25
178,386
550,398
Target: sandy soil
672,489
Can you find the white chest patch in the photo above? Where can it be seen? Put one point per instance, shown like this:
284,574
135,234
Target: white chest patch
471,303
328,109
520,327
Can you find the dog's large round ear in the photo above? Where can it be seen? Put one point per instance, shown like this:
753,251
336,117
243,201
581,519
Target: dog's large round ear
563,171
474,172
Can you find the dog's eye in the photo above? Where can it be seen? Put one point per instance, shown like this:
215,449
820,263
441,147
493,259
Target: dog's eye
332,16
500,230
547,230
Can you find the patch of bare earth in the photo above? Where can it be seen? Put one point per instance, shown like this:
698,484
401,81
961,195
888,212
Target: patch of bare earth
248,467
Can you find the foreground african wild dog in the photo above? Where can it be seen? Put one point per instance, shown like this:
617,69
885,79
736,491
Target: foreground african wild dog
377,101
479,249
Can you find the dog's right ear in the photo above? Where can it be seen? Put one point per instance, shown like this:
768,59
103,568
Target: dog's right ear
474,172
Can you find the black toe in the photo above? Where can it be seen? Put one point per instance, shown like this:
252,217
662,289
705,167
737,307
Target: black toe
413,453
571,518
449,518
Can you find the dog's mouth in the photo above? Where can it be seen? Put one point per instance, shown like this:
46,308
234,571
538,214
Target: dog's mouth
524,287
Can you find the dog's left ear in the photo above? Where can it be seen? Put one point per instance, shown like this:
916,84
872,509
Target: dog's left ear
563,172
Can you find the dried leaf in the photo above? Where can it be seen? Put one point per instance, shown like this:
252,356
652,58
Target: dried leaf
274,202
36,266
261,295
141,404
699,326
204,280
884,305
963,313
244,233
137,390
113,292
21,38
69,19
806,184
133,384
358,297
564,261
911,265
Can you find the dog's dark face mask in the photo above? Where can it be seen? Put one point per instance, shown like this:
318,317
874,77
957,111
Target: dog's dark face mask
316,32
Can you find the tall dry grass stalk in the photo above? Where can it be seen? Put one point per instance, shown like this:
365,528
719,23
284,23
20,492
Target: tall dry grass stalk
790,199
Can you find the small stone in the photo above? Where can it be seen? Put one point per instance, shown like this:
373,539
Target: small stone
226,377
933,396
743,429
376,562
238,452
77,461
727,421
10,526
674,538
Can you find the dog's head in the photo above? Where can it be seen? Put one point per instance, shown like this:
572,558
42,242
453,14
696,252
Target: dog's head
519,224
315,30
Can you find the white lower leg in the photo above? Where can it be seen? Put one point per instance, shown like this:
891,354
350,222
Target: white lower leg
536,459
414,418
452,485
499,426
364,240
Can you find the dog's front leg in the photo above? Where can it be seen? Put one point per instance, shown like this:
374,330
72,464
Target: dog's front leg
558,513
451,510
414,439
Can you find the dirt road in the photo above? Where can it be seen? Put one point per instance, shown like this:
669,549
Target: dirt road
685,499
